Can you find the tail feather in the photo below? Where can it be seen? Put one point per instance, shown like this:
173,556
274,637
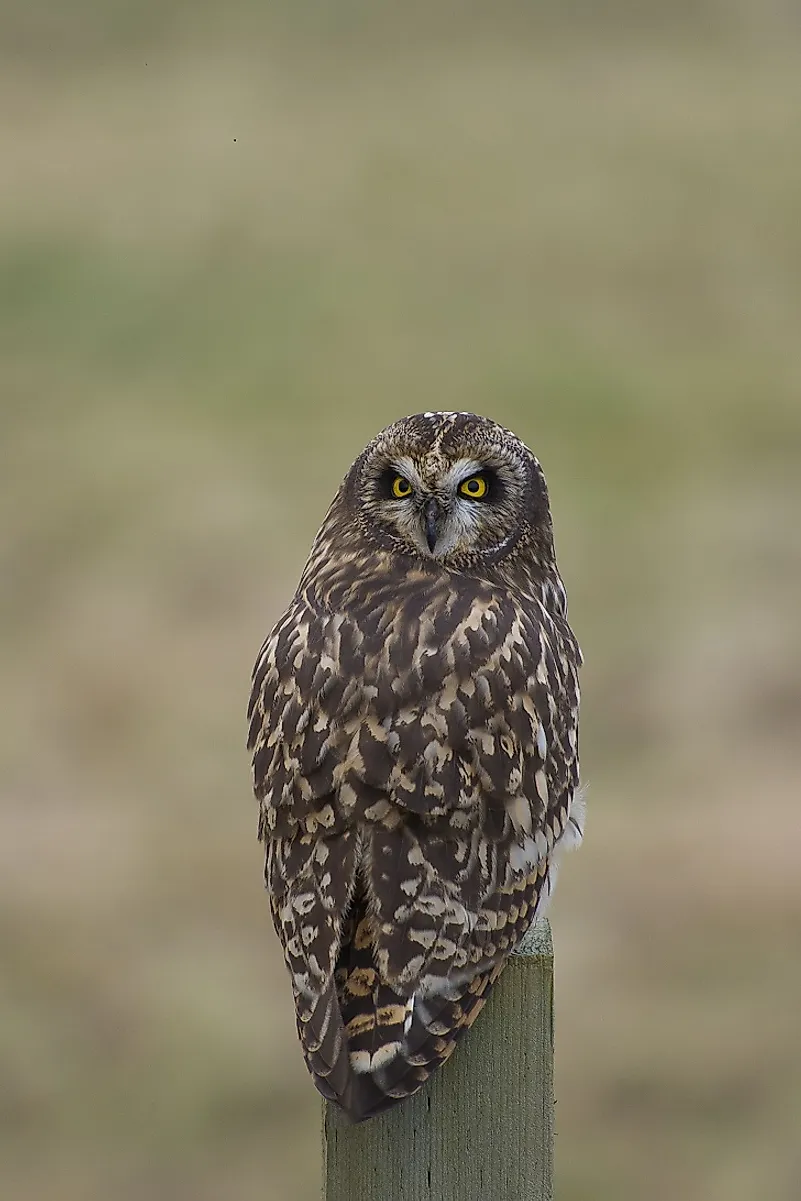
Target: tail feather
367,1044
325,1046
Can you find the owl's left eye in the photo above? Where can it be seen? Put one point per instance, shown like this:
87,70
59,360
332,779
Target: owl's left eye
475,486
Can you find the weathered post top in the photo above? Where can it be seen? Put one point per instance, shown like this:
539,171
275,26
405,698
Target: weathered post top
481,1129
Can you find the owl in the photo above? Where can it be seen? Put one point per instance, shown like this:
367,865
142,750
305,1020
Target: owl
414,739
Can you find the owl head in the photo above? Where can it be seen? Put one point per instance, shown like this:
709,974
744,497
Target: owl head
455,489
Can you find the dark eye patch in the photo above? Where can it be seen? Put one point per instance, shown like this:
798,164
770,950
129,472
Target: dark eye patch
386,482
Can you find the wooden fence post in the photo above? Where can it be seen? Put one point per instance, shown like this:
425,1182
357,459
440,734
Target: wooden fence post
481,1129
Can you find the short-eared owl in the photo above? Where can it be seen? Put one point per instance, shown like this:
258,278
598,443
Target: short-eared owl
413,726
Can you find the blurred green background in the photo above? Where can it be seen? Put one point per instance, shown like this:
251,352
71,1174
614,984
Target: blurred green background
235,241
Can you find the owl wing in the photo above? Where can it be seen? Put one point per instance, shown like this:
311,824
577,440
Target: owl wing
416,761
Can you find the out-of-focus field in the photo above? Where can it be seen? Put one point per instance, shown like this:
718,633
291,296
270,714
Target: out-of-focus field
234,244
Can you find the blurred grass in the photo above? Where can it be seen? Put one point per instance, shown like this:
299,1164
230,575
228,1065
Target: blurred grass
233,244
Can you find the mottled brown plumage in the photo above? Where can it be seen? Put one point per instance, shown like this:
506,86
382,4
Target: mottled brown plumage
413,726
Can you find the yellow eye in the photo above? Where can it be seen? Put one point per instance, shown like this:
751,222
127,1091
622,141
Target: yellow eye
475,487
401,487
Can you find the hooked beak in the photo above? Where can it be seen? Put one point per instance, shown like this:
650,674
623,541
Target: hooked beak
431,513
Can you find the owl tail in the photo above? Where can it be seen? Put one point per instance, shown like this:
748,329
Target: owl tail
367,1046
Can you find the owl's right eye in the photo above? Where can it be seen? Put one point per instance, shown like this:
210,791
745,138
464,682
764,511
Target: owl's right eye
401,488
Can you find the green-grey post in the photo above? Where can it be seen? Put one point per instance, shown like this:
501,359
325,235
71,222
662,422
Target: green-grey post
481,1129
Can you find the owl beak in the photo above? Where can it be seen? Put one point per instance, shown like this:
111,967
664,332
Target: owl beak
431,512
